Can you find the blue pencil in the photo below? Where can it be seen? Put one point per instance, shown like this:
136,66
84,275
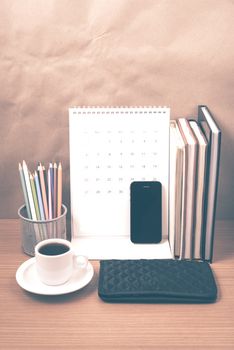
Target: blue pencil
50,189
39,196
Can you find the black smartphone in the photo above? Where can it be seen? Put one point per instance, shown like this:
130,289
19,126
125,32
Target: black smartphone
146,212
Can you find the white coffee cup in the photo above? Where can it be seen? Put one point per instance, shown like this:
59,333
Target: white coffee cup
56,261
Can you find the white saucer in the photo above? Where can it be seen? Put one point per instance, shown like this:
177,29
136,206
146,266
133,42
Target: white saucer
27,278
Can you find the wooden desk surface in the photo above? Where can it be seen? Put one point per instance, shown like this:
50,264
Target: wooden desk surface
82,321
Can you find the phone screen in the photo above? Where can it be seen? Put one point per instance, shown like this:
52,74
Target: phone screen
146,211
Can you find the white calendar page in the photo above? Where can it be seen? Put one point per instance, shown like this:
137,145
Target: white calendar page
109,149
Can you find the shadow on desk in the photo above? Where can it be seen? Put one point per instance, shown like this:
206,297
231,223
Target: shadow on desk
70,297
223,248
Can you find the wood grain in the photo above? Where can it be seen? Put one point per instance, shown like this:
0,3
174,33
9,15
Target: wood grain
82,321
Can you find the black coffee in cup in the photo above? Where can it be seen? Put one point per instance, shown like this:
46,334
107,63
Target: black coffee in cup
53,249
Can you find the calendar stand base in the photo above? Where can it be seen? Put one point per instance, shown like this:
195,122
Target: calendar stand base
120,247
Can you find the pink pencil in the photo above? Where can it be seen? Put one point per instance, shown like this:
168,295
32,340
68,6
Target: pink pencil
55,183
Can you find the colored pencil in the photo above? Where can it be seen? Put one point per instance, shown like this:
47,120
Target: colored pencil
55,182
51,169
24,191
43,191
59,199
34,196
50,177
29,191
46,182
39,196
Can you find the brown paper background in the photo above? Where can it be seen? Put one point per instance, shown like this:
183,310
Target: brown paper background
57,54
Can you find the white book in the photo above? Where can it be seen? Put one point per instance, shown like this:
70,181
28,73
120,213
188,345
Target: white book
177,189
213,136
109,149
189,202
200,190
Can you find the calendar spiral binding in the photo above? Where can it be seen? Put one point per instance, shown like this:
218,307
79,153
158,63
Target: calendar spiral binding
118,109
119,106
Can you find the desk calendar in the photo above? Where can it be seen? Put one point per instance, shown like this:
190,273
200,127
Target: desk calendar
109,149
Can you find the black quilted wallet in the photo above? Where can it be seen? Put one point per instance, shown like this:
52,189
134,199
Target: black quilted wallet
155,281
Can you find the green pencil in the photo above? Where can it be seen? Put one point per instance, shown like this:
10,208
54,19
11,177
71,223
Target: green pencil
35,197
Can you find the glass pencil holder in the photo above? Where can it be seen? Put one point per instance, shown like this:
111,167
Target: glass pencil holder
34,231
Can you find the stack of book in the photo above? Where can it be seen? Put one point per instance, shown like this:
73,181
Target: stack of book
194,169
